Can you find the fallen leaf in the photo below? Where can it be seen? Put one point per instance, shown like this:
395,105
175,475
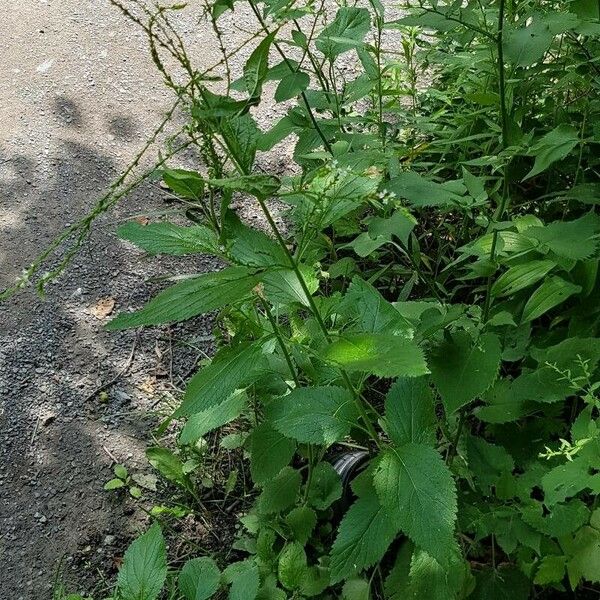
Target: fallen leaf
142,220
103,307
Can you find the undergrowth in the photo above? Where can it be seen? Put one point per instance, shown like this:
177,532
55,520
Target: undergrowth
432,300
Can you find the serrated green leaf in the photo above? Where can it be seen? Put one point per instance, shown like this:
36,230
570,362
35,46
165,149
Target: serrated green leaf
167,238
345,32
585,562
520,277
555,145
409,412
244,579
199,578
283,285
379,354
558,520
191,297
231,369
316,415
326,486
371,312
301,521
502,404
280,492
505,583
261,186
241,134
187,184
270,452
488,462
120,471
167,463
576,240
418,492
550,570
363,537
291,85
114,484
292,565
356,589
463,369
199,424
554,291
144,568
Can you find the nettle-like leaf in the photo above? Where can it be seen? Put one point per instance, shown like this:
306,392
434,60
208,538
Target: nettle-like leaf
379,354
409,411
191,297
167,238
199,424
371,312
270,452
505,583
187,184
554,146
199,578
292,85
144,568
231,369
345,32
558,520
502,404
314,415
241,134
280,492
364,535
256,67
417,489
301,522
488,462
326,486
292,566
576,240
244,579
420,191
463,368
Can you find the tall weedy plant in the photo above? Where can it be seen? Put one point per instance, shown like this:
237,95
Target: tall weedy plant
432,300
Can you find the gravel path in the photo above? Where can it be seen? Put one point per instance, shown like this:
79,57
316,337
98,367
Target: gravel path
78,97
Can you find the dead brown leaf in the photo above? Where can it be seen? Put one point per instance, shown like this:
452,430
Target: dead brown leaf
103,307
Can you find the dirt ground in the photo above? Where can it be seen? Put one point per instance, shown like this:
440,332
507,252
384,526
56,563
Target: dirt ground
78,96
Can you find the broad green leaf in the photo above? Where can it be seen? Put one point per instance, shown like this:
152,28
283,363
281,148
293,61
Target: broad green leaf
283,285
554,146
280,492
244,579
231,369
363,537
252,247
114,484
167,464
554,291
558,520
420,191
462,369
345,32
261,186
397,581
521,276
488,463
504,583
526,45
428,579
418,492
199,578
378,354
577,240
187,184
371,312
502,404
409,412
144,568
356,589
256,67
399,225
314,415
291,85
585,562
191,297
167,238
292,565
270,452
301,521
551,570
241,135
199,424
326,486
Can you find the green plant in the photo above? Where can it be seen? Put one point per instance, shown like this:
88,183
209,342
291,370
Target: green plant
432,298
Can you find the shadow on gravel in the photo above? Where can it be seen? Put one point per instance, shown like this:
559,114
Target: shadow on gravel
56,440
